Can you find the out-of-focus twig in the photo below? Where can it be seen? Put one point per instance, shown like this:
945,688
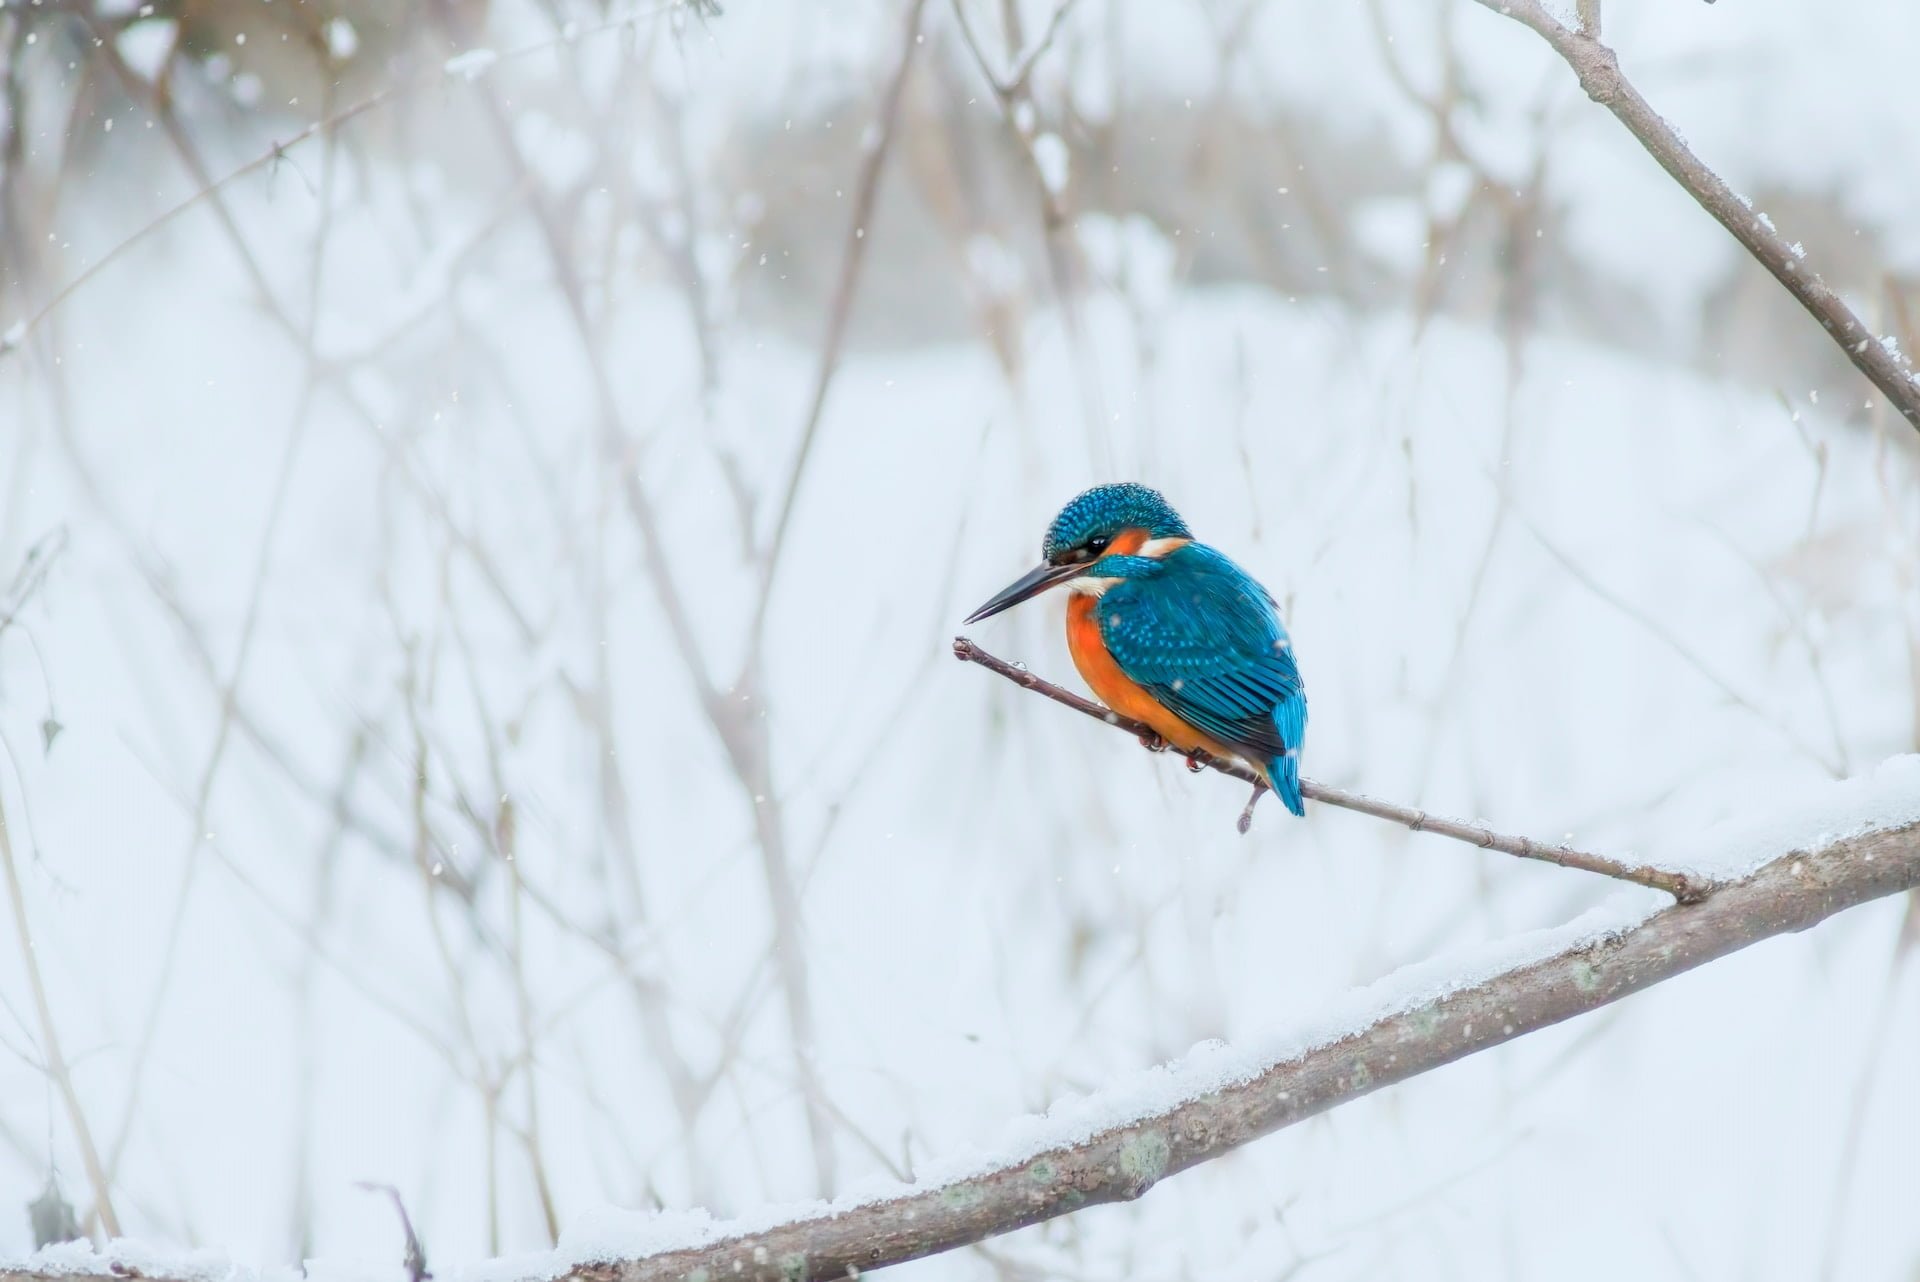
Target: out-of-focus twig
1685,888
1886,1016
1598,69
1784,728
1066,265
56,1061
1014,83
31,574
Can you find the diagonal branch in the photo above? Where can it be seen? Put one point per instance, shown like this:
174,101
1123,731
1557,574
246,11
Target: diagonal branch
1683,887
1598,69
1218,1103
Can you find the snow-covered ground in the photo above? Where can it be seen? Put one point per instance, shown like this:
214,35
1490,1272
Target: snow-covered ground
1604,597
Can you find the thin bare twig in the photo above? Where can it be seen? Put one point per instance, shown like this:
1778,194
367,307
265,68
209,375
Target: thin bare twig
1685,888
415,1259
1598,69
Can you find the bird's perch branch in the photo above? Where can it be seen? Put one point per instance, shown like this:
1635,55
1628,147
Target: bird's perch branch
1598,69
1795,891
1678,884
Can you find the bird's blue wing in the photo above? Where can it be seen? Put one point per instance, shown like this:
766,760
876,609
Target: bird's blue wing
1204,638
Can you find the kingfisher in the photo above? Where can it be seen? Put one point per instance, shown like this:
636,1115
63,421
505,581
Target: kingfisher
1172,633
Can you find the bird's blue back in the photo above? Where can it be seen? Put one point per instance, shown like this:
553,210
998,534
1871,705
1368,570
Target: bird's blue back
1204,638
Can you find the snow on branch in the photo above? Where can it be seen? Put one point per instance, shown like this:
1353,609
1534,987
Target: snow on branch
1115,1145
1598,68
1683,886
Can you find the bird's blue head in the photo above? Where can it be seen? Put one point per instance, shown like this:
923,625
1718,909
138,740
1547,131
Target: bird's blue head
1095,519
1124,519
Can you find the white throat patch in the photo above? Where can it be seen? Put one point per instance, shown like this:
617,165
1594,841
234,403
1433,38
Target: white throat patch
1088,585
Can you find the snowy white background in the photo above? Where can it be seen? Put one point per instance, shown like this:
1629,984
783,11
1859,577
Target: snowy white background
1572,574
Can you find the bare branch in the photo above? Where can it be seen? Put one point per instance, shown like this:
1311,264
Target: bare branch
1793,892
1681,886
1598,69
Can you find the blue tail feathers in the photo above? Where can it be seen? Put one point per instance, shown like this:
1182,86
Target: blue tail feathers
1290,718
1284,771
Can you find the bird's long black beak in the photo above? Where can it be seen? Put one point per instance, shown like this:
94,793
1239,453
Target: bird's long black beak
1030,584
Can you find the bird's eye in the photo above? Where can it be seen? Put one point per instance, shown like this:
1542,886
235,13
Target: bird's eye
1098,545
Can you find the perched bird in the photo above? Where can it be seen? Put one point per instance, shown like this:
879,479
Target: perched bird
1172,633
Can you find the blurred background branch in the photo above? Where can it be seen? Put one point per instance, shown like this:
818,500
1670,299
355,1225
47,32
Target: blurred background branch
1598,69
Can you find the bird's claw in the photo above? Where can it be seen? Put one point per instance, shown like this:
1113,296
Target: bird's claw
1153,742
1245,821
1194,763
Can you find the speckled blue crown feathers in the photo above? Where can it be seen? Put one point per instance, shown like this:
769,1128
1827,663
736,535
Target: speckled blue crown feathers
1107,509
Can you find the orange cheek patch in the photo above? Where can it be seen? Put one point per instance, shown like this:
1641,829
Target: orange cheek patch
1127,542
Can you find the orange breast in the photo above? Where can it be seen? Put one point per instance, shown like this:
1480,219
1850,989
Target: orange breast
1119,691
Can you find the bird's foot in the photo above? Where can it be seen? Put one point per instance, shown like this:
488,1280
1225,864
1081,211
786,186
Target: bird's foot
1153,742
1194,763
1246,815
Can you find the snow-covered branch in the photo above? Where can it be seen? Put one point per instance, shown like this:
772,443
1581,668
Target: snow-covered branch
1598,68
1113,1148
